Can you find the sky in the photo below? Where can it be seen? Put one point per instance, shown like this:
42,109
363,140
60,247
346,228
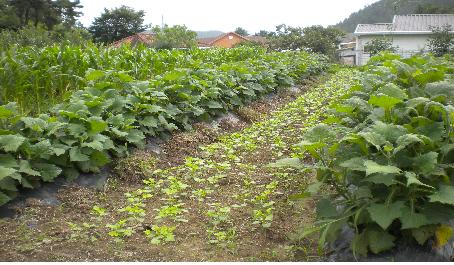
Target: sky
252,15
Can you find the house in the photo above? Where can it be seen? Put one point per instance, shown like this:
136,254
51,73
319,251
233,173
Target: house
146,37
409,33
346,50
225,40
228,40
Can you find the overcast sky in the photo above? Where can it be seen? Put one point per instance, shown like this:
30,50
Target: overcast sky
253,15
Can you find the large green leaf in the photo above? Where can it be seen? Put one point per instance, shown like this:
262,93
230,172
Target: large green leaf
10,143
374,139
380,241
96,145
214,105
42,149
406,140
311,147
393,90
355,163
93,75
390,132
384,101
413,180
360,244
326,209
386,179
5,113
71,173
320,133
438,212
411,219
48,171
135,136
35,124
372,167
440,88
99,158
97,124
26,168
75,129
429,77
445,195
426,163
149,121
6,171
76,155
4,198
7,160
384,214
422,234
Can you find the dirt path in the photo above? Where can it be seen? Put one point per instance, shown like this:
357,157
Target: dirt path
206,197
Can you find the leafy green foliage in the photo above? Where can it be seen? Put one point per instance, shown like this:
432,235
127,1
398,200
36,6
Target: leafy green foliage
111,26
17,14
441,42
241,31
315,39
157,234
383,152
116,112
174,37
378,45
38,78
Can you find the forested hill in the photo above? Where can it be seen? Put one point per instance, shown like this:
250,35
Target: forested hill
383,11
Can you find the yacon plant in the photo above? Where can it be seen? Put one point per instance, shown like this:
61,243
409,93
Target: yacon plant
386,159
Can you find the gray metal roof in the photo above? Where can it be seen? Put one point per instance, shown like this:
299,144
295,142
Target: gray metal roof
379,27
419,23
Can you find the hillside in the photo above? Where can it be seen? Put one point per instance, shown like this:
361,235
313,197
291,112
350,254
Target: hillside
384,10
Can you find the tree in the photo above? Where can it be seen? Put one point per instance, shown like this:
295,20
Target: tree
241,31
8,17
433,9
322,40
263,33
67,11
174,37
117,23
441,42
46,12
378,45
315,39
41,37
250,44
286,38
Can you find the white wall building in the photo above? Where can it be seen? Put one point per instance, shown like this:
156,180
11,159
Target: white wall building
409,33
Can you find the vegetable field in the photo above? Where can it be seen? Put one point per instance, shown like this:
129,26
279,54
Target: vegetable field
386,153
115,111
38,78
367,150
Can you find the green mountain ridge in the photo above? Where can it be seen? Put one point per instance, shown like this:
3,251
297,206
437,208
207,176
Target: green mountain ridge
383,11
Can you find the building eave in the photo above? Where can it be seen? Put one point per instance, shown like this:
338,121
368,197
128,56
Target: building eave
394,33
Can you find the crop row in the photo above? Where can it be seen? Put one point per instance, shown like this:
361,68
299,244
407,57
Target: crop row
387,154
115,112
37,78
